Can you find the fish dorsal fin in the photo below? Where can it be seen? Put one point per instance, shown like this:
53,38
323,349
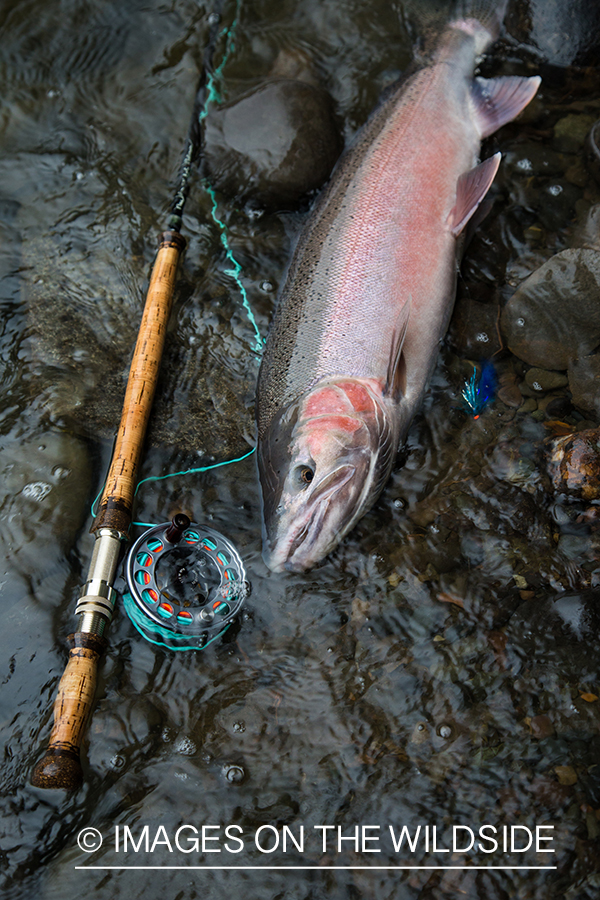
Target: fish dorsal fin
498,100
395,382
471,188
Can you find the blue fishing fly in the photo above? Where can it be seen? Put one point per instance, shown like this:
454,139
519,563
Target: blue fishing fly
479,390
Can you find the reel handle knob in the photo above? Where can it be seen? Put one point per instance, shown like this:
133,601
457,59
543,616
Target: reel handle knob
60,766
179,524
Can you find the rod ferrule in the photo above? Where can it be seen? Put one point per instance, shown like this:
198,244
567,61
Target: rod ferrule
97,600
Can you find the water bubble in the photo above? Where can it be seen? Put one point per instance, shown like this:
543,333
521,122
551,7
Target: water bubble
234,774
185,746
525,165
537,386
555,189
37,490
167,735
117,761
399,503
445,731
60,472
482,337
214,18
266,286
520,322
239,727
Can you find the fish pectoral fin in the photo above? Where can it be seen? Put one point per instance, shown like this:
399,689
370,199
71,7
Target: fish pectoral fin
471,188
498,100
395,382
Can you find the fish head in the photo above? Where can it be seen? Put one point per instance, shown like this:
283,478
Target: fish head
322,462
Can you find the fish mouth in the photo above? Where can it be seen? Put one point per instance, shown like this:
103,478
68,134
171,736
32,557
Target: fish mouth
300,548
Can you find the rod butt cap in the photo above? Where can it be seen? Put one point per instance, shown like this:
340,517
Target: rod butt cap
59,769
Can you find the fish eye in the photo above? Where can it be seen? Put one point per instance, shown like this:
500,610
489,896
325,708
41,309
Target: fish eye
305,475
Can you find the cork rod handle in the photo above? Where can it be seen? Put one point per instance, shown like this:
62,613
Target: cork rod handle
61,767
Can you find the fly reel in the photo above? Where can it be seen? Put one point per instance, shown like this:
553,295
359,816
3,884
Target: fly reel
186,584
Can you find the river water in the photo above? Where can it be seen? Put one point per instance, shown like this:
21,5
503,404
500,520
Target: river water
440,669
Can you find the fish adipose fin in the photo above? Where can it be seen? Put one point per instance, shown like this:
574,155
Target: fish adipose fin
395,382
471,188
498,100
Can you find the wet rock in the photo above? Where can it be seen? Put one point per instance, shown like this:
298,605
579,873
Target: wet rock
541,380
274,144
575,546
559,34
592,150
556,406
577,173
530,405
573,464
584,383
556,203
473,330
560,632
571,132
587,231
292,63
554,317
532,158
508,390
541,727
45,489
566,775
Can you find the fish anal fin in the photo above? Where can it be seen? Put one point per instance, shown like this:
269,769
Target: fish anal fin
395,382
498,100
471,188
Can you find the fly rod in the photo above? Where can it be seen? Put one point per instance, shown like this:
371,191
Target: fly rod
60,767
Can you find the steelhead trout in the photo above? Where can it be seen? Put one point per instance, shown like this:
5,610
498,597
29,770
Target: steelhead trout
369,294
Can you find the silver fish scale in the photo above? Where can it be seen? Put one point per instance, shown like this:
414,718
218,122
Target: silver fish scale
292,361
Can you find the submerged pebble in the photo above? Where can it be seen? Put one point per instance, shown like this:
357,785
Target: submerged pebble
571,131
474,328
558,630
554,317
592,150
573,464
273,145
584,383
544,380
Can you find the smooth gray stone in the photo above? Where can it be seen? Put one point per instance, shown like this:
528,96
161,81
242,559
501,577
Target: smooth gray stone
554,317
584,383
274,144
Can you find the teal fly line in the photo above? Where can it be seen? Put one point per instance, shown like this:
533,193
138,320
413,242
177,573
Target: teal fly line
235,270
215,96
140,622
194,471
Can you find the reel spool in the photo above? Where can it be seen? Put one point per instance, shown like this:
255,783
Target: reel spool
186,583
